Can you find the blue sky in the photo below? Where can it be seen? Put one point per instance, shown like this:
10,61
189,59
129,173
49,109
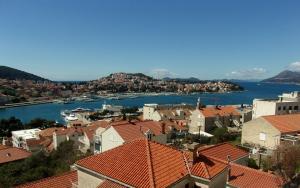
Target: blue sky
208,39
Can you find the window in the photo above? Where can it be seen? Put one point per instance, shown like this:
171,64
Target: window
186,185
290,107
279,108
149,136
296,107
262,136
284,108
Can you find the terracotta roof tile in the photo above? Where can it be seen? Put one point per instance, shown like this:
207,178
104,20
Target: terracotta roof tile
10,154
140,163
221,151
245,177
285,123
91,129
221,111
100,123
49,131
68,131
3,146
110,184
131,131
61,181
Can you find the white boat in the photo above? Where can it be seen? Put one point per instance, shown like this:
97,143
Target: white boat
65,113
81,110
71,117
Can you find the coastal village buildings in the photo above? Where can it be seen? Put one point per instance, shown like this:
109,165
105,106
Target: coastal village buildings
157,112
144,163
20,137
207,118
271,131
121,132
287,103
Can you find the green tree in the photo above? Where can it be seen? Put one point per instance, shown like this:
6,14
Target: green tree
8,125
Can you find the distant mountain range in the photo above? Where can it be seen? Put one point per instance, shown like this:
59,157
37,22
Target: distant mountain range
15,74
286,76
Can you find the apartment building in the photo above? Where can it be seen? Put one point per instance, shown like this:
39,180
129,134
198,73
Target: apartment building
287,103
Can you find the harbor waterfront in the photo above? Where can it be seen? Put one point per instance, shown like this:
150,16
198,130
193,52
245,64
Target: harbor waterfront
51,111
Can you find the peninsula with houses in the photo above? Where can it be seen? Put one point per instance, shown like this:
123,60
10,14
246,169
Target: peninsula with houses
20,87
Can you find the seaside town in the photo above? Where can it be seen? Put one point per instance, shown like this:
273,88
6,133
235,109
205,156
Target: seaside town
114,86
149,94
196,145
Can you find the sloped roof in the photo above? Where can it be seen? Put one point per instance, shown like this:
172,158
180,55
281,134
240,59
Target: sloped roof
222,150
61,181
90,130
207,168
140,163
221,111
49,131
133,130
9,154
100,123
245,177
68,131
3,146
110,184
284,123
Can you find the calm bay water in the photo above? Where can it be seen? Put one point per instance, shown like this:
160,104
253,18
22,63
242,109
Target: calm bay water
52,111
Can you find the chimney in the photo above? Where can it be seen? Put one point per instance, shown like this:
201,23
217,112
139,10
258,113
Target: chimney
163,128
229,167
195,155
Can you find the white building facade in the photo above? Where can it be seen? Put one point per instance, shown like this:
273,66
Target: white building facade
19,137
287,103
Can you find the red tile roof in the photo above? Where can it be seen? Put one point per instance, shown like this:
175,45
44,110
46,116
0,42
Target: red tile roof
91,129
3,146
221,111
100,123
62,181
110,184
207,168
285,123
9,154
245,177
139,163
221,151
49,131
134,130
69,131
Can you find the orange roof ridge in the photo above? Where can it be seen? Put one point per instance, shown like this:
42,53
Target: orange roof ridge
255,170
186,162
69,173
150,170
205,169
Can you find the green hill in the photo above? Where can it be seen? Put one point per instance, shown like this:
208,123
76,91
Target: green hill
15,74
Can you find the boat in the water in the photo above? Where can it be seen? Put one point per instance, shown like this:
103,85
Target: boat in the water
71,117
65,113
81,110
